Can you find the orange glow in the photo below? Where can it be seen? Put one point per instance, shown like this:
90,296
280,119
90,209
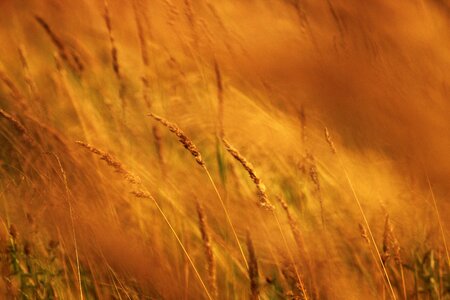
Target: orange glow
145,143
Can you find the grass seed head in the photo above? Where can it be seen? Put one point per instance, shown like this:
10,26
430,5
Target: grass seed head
253,272
182,138
391,247
112,162
260,187
204,230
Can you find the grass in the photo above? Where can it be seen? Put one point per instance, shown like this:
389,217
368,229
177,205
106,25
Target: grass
322,103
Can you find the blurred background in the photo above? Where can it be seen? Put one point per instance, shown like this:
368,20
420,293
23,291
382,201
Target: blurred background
334,103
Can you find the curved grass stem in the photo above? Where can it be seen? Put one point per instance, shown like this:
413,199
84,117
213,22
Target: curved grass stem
227,215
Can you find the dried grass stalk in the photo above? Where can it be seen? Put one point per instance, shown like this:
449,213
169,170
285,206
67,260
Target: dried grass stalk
302,117
253,273
391,247
114,52
292,224
115,57
261,189
173,13
189,145
31,84
142,193
189,13
14,90
219,97
10,84
70,57
18,127
329,140
182,138
363,232
28,80
133,179
314,175
205,232
158,146
112,162
297,292
48,129
139,16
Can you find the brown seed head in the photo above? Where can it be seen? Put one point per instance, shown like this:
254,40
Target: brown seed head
363,232
253,273
17,126
142,194
260,187
70,57
391,247
204,230
112,162
114,52
182,138
13,231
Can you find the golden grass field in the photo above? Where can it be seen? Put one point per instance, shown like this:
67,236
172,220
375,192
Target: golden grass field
200,149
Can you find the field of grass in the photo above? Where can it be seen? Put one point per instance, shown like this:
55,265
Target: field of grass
200,149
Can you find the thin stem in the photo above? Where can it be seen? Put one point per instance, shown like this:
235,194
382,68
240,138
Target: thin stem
63,173
300,281
183,248
227,215
368,228
439,219
355,196
403,282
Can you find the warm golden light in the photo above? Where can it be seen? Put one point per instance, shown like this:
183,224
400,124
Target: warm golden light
182,149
